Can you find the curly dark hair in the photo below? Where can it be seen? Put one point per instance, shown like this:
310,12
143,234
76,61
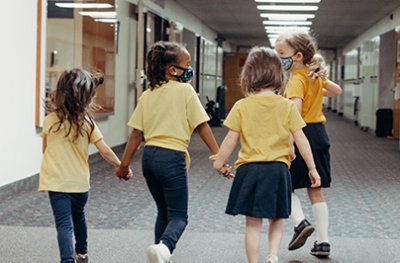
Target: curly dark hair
159,58
73,100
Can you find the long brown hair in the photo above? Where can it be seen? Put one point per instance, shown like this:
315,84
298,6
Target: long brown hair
306,44
160,56
73,100
263,69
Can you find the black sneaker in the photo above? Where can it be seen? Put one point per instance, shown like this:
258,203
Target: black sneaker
79,258
301,233
321,250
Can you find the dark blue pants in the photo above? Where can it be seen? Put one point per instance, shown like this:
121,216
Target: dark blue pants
69,215
165,173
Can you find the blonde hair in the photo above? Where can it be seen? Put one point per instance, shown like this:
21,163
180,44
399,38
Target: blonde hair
303,42
263,69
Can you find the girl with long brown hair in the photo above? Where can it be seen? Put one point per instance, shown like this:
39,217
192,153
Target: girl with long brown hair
68,129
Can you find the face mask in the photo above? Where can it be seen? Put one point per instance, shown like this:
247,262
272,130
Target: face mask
187,74
287,63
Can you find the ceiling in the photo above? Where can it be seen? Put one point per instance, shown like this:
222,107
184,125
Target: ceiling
336,22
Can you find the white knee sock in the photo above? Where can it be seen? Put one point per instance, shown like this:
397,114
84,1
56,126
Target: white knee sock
297,212
321,216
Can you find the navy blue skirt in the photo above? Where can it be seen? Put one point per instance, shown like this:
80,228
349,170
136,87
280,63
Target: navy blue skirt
261,190
319,142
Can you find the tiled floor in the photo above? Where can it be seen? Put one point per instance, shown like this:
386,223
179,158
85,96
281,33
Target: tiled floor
363,201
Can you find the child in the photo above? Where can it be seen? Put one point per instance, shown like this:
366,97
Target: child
306,87
166,115
264,122
67,131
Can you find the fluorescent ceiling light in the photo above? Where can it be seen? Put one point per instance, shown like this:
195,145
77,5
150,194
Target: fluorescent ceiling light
302,17
287,1
287,23
106,20
110,14
288,7
287,27
283,30
84,5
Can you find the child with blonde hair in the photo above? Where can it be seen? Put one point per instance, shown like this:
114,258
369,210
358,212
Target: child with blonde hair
68,129
306,87
264,122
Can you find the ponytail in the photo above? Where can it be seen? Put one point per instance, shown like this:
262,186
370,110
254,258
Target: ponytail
159,58
317,68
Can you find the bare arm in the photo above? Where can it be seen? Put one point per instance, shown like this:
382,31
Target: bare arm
44,145
298,103
227,147
133,143
106,152
207,136
305,150
332,89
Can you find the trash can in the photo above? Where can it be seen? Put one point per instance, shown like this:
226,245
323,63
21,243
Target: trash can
384,122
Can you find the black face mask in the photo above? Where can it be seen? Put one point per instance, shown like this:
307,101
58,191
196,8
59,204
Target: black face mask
187,74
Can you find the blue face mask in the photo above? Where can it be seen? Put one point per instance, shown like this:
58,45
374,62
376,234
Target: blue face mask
287,63
187,74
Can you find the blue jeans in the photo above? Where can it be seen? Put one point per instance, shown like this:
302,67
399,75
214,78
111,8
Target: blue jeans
69,215
165,174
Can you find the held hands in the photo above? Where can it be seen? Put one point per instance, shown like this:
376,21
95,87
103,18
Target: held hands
223,169
123,172
292,153
314,177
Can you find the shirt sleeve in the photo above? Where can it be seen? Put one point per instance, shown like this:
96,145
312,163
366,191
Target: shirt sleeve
96,135
296,122
136,120
295,87
234,118
196,113
46,127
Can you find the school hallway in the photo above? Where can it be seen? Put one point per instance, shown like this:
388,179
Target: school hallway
363,203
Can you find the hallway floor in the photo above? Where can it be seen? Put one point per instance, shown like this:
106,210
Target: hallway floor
363,202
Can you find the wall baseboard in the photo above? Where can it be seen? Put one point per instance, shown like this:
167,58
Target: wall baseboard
32,182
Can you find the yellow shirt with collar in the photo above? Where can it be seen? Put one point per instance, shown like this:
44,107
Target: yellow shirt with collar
265,124
310,91
168,115
65,166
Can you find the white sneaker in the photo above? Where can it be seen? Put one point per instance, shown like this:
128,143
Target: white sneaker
272,259
158,254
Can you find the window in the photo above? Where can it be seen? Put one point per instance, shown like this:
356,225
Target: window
82,34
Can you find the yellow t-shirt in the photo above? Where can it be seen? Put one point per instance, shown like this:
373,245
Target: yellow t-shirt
65,165
168,114
265,124
310,91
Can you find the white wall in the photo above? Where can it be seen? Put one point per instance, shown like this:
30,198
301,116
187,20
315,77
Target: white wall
384,25
19,138
20,142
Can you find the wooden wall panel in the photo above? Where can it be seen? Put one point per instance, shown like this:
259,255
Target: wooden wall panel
233,63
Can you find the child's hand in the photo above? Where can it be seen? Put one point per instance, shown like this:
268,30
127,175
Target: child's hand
128,176
292,153
123,172
314,177
226,171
